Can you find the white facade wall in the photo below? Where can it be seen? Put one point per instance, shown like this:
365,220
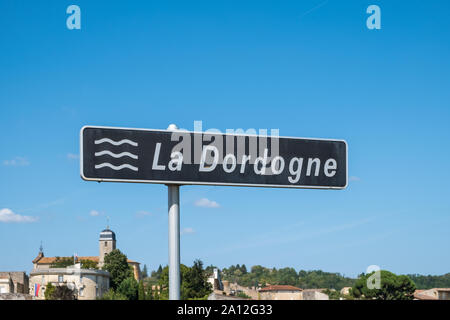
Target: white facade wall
88,284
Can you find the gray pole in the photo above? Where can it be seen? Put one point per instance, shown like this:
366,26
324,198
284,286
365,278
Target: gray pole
174,237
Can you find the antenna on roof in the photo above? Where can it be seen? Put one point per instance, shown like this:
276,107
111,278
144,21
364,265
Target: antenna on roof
41,249
107,222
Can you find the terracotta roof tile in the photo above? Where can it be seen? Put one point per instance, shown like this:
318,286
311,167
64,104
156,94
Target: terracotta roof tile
39,257
50,260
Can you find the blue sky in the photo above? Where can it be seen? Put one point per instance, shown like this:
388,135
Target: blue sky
308,68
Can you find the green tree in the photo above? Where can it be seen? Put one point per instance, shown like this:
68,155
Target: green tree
141,291
243,269
88,264
144,272
260,275
243,295
63,293
129,288
149,295
48,292
58,293
62,262
116,264
392,287
194,282
210,269
112,295
157,274
429,281
163,282
332,294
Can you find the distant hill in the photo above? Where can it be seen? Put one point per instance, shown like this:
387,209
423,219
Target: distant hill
259,275
428,282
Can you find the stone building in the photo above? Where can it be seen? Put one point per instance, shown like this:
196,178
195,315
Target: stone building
87,283
6,284
13,282
314,294
215,281
432,294
280,292
234,289
107,243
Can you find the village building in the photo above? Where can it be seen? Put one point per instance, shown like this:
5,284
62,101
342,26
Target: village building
13,282
280,292
87,283
315,294
432,294
6,284
215,280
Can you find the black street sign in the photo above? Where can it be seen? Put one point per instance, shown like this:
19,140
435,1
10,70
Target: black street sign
204,158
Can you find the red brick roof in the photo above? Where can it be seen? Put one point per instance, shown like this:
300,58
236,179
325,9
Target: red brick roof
39,257
280,288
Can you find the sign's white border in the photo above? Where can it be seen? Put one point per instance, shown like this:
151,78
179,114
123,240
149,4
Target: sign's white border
209,183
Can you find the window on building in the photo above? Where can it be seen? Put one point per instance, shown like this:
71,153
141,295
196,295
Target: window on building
106,243
60,278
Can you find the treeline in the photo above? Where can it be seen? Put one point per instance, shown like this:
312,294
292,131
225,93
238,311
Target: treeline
428,282
261,276
194,282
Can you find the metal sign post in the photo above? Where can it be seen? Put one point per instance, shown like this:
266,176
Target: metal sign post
174,241
174,237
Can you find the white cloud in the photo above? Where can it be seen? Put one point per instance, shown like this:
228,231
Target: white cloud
73,156
95,213
16,162
204,202
187,231
7,215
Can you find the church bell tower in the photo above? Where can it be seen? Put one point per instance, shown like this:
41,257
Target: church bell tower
107,243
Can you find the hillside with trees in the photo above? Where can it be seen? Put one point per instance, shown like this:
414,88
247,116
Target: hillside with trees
429,281
260,276
392,286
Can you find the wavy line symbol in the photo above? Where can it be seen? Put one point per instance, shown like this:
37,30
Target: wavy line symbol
116,143
117,168
116,155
